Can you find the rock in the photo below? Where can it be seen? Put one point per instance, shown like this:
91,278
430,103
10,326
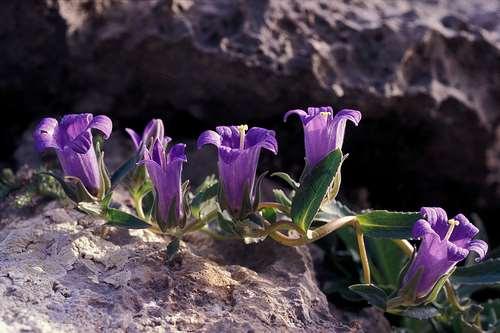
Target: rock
58,274
32,65
425,75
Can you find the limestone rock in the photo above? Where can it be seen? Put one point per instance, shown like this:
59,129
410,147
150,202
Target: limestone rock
58,274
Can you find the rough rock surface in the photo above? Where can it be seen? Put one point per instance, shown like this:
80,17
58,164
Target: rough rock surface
425,74
58,274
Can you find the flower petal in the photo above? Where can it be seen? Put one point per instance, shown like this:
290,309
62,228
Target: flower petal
158,153
228,155
338,124
432,259
348,114
421,228
154,129
82,143
177,153
438,219
301,113
103,124
480,247
463,232
83,166
456,253
230,136
209,137
44,134
72,125
263,138
136,139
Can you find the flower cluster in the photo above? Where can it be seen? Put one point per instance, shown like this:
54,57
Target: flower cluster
230,206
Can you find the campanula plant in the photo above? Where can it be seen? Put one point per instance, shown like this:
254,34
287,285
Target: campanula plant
238,156
165,170
154,130
430,284
140,185
72,140
323,130
445,242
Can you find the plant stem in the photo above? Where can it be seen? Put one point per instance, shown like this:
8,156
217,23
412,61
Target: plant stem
197,225
138,205
276,205
312,236
452,296
362,253
395,302
405,246
331,226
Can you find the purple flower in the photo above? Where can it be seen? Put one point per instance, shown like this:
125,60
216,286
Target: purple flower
444,244
165,172
154,130
72,141
323,132
238,157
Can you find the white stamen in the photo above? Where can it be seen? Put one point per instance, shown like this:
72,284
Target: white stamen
242,129
453,223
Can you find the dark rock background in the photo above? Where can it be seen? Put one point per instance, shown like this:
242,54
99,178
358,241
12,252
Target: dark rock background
426,76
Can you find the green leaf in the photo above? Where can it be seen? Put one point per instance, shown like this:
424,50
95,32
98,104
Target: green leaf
118,218
226,223
124,170
409,291
269,214
433,294
148,204
105,181
172,248
68,190
257,191
313,189
485,273
282,198
8,182
91,208
491,310
388,258
371,293
185,186
420,313
172,216
385,224
287,178
82,194
333,210
208,190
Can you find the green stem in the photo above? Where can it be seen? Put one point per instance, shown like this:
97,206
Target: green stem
138,205
394,303
405,246
331,226
276,205
362,253
452,296
197,225
312,236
